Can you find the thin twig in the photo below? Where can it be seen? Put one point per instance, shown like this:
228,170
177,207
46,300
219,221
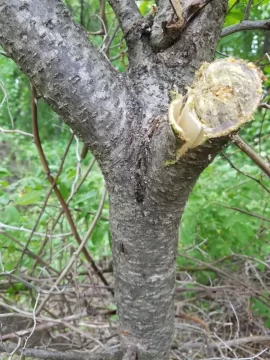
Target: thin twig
245,174
233,5
21,228
5,98
234,342
53,185
111,38
246,212
5,131
29,252
248,8
15,349
4,54
34,324
75,254
264,106
264,299
57,191
45,326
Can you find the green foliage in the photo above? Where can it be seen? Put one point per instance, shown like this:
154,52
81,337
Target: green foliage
23,189
247,45
261,309
145,6
224,230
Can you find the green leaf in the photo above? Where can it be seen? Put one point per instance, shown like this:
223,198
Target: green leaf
64,190
91,195
11,249
267,323
3,183
32,197
233,17
4,199
259,308
12,215
145,6
4,172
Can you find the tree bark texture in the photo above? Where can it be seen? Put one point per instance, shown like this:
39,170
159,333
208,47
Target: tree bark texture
123,120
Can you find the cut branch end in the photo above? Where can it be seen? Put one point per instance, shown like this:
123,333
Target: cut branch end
223,97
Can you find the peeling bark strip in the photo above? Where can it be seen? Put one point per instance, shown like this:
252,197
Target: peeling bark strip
122,118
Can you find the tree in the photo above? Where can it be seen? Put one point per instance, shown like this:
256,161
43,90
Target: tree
122,118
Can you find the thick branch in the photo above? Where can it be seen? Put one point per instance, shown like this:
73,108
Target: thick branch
191,23
160,37
127,13
246,25
68,71
196,43
61,355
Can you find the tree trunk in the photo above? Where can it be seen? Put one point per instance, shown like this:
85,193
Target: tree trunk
123,120
144,250
147,199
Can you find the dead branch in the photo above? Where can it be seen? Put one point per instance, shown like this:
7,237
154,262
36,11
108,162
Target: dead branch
60,355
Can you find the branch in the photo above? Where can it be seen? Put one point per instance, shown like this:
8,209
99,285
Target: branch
263,165
29,253
246,212
264,106
61,355
245,174
207,21
4,54
127,13
3,131
246,25
75,256
222,344
68,71
21,228
248,8
160,37
208,16
57,192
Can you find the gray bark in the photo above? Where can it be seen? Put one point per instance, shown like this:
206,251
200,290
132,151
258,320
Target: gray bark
123,120
72,76
127,12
